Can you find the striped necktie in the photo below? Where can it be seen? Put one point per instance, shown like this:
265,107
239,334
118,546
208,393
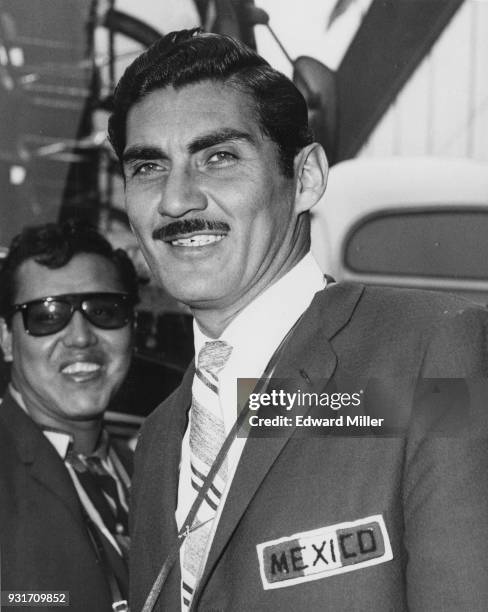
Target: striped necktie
207,434
100,486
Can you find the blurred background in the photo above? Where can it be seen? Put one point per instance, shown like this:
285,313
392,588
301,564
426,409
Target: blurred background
397,93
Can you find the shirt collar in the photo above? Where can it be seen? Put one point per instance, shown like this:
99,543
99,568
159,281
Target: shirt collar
60,440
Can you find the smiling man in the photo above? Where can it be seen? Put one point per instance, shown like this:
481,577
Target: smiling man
221,172
67,325
224,190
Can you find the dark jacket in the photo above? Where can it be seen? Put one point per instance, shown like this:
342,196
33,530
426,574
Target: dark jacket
44,542
431,491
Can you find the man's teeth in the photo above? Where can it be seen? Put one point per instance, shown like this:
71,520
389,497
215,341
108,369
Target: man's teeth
81,367
196,241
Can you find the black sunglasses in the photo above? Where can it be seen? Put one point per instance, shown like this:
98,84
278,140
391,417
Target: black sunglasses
49,315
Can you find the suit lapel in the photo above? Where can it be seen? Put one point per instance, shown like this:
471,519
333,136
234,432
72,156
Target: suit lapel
308,362
158,503
178,414
40,457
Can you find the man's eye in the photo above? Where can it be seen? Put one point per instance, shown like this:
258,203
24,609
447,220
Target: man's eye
146,168
221,158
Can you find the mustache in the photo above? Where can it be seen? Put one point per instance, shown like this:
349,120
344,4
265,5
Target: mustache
187,226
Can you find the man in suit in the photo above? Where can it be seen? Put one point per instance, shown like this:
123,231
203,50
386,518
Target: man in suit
67,326
220,173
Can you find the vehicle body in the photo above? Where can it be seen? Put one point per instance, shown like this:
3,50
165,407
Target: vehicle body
407,222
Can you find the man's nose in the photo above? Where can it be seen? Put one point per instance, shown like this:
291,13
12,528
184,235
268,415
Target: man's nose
181,193
79,332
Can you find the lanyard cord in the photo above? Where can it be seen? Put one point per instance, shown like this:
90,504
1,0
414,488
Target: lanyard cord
118,601
188,527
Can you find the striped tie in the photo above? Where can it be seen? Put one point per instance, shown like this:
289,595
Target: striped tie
207,434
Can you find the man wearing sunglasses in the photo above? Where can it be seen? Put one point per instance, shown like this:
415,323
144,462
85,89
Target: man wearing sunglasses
66,304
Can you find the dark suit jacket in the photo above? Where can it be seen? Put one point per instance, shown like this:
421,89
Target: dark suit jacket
44,543
431,491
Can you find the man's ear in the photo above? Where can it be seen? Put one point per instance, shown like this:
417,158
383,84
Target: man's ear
5,340
311,170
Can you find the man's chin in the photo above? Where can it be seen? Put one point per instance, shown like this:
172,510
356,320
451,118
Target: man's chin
87,408
85,414
199,288
192,296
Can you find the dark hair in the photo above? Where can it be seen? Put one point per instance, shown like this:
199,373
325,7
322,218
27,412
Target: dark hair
189,56
53,245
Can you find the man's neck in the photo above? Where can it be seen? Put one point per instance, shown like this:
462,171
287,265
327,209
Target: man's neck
85,441
213,321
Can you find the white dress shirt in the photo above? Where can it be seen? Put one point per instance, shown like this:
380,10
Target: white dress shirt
254,335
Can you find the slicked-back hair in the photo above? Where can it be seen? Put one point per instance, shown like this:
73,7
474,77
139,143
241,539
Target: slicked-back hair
190,56
53,245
